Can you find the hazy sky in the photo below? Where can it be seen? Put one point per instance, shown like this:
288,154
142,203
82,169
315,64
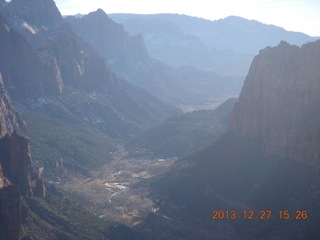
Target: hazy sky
293,15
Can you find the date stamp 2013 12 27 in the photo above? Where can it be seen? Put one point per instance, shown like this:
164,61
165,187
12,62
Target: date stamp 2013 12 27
263,214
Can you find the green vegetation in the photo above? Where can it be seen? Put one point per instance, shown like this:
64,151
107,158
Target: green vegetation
184,134
61,141
63,218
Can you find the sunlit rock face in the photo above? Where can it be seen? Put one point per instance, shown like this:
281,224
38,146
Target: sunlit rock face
23,72
51,54
8,119
279,102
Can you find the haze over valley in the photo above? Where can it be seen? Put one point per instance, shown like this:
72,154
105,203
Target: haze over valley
156,126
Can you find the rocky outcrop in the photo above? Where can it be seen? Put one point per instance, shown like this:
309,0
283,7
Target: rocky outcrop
279,102
79,65
24,75
61,57
268,159
109,38
17,175
4,182
8,119
17,166
39,13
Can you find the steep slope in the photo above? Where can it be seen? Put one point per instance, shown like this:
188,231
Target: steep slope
10,211
108,38
22,70
17,175
73,64
183,134
282,107
129,58
75,108
46,13
268,160
8,118
27,210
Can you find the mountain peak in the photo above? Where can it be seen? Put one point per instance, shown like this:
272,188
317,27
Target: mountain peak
36,12
99,13
280,98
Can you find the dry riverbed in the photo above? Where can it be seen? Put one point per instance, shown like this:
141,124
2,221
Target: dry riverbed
114,192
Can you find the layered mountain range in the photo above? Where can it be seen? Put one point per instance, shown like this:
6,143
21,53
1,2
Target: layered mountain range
129,58
53,77
57,88
68,60
268,159
226,46
45,59
64,90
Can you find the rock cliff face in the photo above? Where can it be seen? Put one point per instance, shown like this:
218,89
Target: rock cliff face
279,102
8,120
108,37
79,66
22,70
45,14
58,57
128,57
269,158
17,175
17,166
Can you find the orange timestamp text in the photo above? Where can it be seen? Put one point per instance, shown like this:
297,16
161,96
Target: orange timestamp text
264,214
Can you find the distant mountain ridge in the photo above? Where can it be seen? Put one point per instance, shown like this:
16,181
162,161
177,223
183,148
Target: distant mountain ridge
224,46
111,46
234,33
129,58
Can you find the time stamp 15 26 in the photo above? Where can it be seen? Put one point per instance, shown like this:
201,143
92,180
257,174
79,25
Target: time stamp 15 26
264,214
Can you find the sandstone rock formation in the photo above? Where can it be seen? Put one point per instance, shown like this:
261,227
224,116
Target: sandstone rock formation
59,60
45,14
279,102
58,57
17,166
8,120
109,38
17,175
23,73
